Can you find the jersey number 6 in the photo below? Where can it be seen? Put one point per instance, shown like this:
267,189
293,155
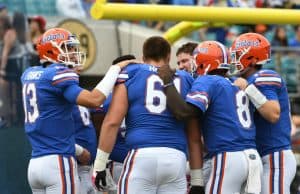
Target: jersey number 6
155,101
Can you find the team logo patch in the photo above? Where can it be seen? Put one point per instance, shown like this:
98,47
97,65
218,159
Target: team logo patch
200,50
53,37
247,43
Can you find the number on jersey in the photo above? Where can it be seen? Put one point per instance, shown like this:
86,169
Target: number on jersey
31,111
155,101
243,111
85,115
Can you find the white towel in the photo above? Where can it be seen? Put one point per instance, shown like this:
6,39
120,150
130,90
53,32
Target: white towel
255,170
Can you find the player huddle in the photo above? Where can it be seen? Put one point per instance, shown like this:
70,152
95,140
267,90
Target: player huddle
232,126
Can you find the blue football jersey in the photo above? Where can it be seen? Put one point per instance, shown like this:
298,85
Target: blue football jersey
85,132
49,95
228,116
149,123
272,137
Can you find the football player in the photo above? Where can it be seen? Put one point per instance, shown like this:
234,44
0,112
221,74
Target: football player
226,123
50,92
268,92
156,161
184,56
120,150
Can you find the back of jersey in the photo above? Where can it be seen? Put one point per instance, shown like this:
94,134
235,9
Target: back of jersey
49,95
228,121
272,137
148,122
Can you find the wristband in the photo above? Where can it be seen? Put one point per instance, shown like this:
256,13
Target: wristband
78,150
168,84
197,177
101,160
106,85
255,96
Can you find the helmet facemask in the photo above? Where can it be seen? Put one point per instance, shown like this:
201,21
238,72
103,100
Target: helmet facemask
243,59
70,53
193,67
236,57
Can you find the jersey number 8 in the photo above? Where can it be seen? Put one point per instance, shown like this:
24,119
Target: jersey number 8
243,111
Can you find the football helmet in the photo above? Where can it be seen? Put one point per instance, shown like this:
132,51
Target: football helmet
250,49
209,56
58,45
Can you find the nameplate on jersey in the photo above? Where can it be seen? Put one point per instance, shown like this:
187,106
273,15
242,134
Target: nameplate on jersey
152,68
34,75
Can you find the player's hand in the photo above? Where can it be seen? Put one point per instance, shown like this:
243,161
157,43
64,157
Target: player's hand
197,190
84,158
241,83
166,73
124,63
103,180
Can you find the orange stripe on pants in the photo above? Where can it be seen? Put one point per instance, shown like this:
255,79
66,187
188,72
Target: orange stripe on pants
62,174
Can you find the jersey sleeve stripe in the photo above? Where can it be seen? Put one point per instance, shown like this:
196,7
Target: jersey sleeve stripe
202,93
267,75
64,75
268,83
200,98
268,79
64,79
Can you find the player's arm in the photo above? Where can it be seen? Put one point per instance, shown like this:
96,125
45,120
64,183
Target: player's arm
97,96
195,155
268,109
110,126
92,98
180,109
178,106
113,119
194,144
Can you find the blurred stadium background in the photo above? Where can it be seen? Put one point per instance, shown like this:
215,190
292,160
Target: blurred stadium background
105,40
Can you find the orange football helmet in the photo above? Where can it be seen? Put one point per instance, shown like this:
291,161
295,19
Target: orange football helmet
209,56
250,49
58,45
